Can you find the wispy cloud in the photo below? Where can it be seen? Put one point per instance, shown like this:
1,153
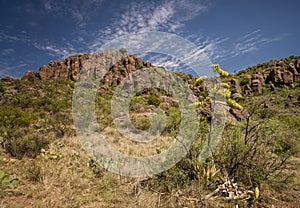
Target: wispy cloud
137,16
78,10
7,51
55,51
250,42
5,69
7,37
219,49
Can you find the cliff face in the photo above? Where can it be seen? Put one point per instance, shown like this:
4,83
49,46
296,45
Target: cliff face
281,73
69,69
284,72
65,70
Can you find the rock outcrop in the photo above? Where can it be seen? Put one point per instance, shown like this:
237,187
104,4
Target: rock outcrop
30,77
63,70
122,69
274,73
236,85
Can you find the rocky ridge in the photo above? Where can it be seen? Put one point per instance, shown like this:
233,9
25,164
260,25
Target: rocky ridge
256,79
272,74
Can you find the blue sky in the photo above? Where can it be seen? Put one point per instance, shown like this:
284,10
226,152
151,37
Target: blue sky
234,33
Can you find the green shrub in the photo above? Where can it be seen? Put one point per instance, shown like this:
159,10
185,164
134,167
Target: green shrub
2,90
244,81
252,152
28,145
6,182
153,100
13,118
141,123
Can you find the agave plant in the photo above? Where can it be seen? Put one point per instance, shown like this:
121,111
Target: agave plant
209,174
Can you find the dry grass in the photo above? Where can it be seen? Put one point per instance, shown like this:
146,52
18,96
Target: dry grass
129,147
70,182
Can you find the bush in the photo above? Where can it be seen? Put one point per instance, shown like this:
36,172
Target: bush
28,145
253,152
153,100
12,118
2,90
244,81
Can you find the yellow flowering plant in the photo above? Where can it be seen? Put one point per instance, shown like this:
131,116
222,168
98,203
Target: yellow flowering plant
218,90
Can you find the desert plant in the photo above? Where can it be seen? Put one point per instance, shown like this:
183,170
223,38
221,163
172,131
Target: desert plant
24,143
7,182
251,151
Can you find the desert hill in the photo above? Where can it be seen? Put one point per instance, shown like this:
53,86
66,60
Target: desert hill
43,164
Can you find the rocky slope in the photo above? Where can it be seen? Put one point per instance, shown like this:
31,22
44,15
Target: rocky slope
36,122
256,79
284,72
281,73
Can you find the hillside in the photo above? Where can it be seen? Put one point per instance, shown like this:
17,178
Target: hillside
43,163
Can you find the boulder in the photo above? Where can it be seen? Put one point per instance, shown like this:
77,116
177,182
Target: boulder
288,78
275,76
236,85
256,85
236,96
63,70
30,77
239,114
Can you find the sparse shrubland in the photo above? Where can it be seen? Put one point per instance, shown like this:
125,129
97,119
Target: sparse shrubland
43,164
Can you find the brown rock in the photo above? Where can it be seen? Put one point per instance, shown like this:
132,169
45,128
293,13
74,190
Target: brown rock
8,80
239,114
29,76
297,65
236,96
167,101
64,70
256,85
287,78
236,85
122,69
275,76
296,77
260,77
292,68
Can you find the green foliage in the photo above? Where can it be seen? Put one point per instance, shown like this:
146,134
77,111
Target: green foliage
12,118
252,152
96,168
6,182
173,121
153,100
123,50
26,145
141,123
176,177
2,90
33,172
244,81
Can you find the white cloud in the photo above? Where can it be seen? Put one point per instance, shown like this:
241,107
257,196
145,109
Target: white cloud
78,10
250,42
7,37
6,70
7,51
220,48
59,52
138,16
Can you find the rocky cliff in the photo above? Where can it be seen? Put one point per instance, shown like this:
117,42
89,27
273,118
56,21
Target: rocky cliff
69,69
272,74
